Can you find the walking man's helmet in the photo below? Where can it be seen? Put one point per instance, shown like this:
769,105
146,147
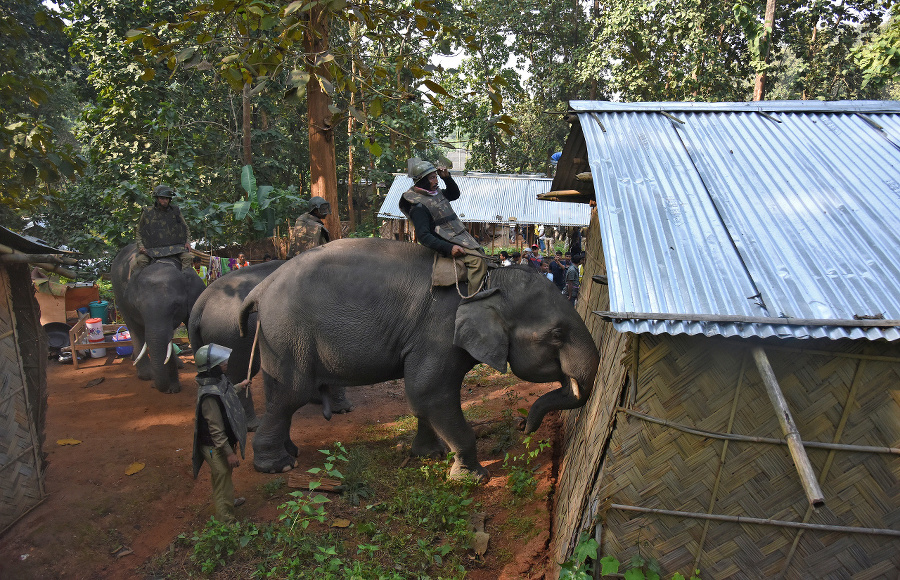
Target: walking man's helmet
211,355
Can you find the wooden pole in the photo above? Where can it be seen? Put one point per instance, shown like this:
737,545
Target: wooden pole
789,429
761,521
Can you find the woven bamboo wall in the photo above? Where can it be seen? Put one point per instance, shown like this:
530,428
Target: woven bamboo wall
22,396
586,430
699,382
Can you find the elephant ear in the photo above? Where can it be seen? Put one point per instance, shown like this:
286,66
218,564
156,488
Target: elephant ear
480,330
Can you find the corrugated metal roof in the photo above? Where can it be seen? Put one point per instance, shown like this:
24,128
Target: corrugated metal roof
493,198
777,209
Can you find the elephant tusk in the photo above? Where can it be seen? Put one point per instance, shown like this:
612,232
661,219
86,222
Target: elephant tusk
141,354
575,388
168,353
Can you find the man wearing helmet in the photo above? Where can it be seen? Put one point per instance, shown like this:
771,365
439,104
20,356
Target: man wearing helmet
162,231
436,224
220,425
309,230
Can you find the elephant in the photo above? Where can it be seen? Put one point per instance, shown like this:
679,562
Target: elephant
154,302
214,319
363,311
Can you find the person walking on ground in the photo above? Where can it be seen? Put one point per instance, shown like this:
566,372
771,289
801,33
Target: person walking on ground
219,427
572,280
200,269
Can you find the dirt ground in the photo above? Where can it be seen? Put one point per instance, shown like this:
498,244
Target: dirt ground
99,523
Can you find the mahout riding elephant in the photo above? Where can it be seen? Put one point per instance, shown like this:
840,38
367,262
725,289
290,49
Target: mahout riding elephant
154,302
363,311
215,317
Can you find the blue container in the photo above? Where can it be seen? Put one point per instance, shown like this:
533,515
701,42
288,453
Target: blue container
100,310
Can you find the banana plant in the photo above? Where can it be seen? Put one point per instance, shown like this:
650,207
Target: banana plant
256,203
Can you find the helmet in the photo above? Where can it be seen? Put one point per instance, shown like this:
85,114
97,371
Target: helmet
211,355
163,190
320,204
417,168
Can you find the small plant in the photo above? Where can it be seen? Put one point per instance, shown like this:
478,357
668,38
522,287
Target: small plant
271,487
521,481
638,569
219,541
303,510
578,567
353,485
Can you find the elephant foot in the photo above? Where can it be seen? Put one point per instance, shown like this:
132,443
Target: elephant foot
171,389
479,473
291,449
435,449
281,465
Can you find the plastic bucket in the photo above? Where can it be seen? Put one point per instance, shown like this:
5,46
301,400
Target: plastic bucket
119,336
100,310
95,334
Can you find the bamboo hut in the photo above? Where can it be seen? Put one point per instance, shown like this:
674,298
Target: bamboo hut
741,283
23,374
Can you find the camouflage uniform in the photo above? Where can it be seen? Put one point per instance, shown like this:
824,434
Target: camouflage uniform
308,232
219,427
162,232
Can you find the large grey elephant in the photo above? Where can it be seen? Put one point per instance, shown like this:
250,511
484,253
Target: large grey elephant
363,311
215,318
154,302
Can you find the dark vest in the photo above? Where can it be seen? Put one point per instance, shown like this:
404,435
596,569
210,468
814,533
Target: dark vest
308,232
447,224
163,230
232,412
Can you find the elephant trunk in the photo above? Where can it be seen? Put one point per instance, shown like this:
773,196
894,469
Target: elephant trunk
159,350
580,364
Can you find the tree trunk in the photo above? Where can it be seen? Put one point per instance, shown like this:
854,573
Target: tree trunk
759,91
351,126
322,163
248,158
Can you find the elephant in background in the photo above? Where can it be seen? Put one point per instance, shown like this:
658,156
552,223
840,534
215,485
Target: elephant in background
154,302
215,317
363,311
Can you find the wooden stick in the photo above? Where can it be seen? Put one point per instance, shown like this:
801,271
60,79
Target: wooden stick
754,439
761,521
789,428
728,318
253,349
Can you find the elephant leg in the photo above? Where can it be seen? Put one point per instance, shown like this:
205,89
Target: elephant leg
435,396
144,370
426,442
271,453
174,383
246,398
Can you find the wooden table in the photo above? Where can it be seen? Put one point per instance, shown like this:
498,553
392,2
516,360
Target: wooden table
78,333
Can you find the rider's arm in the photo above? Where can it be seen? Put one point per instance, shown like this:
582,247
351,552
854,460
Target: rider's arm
451,190
424,226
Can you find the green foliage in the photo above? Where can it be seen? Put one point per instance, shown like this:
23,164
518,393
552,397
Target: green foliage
354,486
521,481
34,152
880,58
218,541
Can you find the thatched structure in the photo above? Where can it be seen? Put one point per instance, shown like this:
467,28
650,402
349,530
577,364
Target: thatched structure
747,436
23,376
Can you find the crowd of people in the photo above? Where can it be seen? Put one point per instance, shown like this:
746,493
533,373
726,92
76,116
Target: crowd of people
565,270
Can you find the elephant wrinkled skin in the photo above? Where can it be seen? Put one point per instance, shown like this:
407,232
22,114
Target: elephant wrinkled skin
215,318
362,311
153,303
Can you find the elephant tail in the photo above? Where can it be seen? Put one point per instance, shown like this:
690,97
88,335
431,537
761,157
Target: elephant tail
251,302
194,334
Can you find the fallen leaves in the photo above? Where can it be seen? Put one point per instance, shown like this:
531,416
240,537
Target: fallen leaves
67,441
134,468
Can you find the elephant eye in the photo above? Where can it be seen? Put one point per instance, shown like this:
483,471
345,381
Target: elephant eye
555,335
